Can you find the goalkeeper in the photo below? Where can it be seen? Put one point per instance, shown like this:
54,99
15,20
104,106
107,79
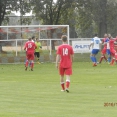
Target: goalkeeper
38,50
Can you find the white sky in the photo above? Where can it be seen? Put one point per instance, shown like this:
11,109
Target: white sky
18,13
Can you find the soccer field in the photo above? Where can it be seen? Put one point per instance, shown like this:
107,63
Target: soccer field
93,91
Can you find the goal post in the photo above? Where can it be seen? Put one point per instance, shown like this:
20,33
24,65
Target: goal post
13,38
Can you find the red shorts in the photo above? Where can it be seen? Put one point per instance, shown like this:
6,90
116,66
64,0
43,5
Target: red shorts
30,56
66,71
103,51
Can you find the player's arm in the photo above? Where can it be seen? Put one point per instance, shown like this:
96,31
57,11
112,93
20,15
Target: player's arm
100,46
57,60
72,57
25,47
91,44
35,46
40,46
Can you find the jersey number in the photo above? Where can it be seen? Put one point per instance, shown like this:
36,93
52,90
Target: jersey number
65,51
29,45
97,41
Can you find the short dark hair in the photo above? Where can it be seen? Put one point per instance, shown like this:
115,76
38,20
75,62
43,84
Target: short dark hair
64,38
37,39
96,35
33,37
29,39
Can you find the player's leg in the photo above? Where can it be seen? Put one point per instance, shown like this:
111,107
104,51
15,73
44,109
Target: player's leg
113,57
27,61
109,55
35,54
116,57
115,47
102,55
62,82
32,61
68,72
93,56
61,72
67,83
93,59
103,52
32,65
26,65
38,55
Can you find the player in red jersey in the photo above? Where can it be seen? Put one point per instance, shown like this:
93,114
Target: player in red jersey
112,44
65,55
30,49
103,52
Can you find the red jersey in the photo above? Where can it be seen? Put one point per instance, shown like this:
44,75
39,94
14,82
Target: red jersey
104,40
65,51
30,47
111,43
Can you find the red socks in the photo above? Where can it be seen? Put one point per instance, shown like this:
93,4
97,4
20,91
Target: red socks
102,58
32,65
67,84
62,85
26,63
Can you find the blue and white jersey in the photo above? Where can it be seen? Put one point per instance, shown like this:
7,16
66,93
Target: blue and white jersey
96,43
107,43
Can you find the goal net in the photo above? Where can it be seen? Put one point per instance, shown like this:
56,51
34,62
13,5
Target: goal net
13,38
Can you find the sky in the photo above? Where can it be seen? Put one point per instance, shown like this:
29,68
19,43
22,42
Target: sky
18,13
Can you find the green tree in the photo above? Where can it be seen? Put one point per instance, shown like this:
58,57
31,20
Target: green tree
6,6
96,16
53,13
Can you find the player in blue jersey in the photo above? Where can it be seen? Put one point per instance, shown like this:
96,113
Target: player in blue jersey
95,44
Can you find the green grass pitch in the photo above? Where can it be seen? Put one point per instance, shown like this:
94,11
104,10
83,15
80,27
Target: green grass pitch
37,93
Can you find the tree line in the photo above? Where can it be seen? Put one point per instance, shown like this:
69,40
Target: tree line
85,17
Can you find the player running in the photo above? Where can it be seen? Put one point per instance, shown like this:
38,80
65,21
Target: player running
65,55
30,47
104,50
95,43
108,48
113,49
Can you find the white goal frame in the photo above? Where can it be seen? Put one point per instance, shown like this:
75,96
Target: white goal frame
39,26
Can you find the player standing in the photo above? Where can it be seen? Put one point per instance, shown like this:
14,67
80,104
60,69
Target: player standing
95,43
37,50
65,55
33,38
30,47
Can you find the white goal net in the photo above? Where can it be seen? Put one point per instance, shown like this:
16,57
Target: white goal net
13,38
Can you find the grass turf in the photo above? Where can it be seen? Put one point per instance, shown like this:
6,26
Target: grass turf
37,93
